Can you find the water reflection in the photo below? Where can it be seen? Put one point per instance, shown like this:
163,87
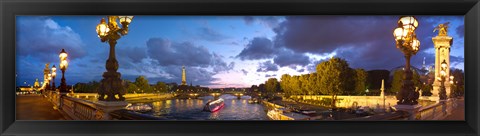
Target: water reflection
191,109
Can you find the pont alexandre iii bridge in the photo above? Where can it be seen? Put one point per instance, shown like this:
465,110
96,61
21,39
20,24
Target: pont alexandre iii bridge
84,106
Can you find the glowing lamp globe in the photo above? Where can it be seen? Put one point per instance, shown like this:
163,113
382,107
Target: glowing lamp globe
444,64
408,22
125,19
102,28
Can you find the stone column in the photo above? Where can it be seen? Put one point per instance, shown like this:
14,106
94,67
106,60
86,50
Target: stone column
442,45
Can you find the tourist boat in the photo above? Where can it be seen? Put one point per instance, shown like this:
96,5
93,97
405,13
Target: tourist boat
213,106
309,112
254,100
275,114
283,114
139,107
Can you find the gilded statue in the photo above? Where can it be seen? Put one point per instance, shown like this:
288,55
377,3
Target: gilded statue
442,29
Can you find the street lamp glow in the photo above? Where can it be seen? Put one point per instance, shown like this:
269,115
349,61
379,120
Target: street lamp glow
54,71
102,28
443,73
110,32
63,66
63,54
125,19
408,22
406,40
444,64
398,33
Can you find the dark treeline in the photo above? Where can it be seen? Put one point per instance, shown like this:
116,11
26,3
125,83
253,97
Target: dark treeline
334,77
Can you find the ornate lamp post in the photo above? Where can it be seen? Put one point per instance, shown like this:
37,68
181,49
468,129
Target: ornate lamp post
443,73
63,66
111,83
407,42
49,78
453,87
54,74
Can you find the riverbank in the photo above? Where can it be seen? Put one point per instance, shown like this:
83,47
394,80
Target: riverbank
148,98
321,112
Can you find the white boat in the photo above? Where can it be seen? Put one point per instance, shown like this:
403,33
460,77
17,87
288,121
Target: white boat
213,106
275,114
309,112
253,100
140,107
282,114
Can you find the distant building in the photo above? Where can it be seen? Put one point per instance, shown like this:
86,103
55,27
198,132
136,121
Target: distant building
26,88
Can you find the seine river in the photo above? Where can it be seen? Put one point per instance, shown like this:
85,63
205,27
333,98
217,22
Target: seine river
191,109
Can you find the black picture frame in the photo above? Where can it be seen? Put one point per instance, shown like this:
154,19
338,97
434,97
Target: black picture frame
11,8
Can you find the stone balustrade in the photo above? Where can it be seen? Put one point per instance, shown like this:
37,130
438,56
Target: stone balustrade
437,111
78,109
75,108
431,112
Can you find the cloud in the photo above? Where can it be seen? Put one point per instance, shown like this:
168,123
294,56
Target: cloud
289,58
44,38
220,65
258,48
134,54
195,75
210,34
461,30
364,41
301,70
168,53
177,54
273,75
245,72
267,66
324,34
268,21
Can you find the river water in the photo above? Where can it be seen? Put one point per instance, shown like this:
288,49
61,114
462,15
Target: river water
191,109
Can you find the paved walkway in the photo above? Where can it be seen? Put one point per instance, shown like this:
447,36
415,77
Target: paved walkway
459,112
35,107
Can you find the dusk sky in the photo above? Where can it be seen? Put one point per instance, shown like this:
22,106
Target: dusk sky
221,51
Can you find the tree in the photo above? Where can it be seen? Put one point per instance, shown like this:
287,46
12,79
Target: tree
142,83
333,77
312,83
374,79
161,87
261,88
304,88
296,85
285,84
272,85
132,88
254,88
360,80
397,81
427,90
458,85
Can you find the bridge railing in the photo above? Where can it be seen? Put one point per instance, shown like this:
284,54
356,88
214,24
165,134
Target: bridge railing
431,112
78,109
83,109
437,111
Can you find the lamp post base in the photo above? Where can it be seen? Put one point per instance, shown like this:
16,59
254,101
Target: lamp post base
111,86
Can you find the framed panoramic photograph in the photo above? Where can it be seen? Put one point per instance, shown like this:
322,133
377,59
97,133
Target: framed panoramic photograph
239,67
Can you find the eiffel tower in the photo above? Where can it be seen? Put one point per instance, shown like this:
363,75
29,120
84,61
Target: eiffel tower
184,76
